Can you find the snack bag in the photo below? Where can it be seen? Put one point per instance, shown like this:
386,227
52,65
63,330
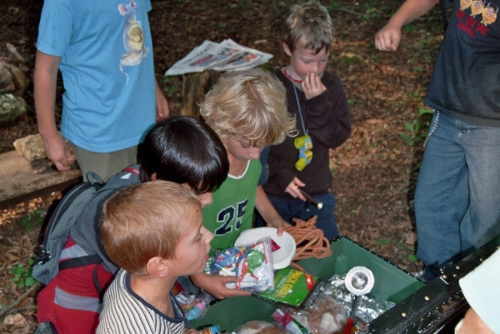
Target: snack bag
251,265
259,327
325,316
193,306
294,288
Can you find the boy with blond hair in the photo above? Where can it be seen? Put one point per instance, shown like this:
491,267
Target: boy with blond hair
154,232
317,100
247,110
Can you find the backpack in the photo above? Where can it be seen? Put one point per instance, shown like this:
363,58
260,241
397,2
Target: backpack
78,214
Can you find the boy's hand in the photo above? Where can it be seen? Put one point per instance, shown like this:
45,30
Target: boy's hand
278,223
216,285
293,189
162,109
312,85
57,150
388,38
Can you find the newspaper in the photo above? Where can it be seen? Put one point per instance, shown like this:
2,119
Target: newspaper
224,56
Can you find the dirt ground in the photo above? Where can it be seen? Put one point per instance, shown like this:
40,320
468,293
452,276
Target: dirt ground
374,171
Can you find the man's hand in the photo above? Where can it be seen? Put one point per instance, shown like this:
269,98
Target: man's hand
312,86
216,285
472,324
58,151
388,38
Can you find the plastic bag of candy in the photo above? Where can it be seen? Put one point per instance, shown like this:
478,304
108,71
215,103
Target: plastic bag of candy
251,265
325,316
193,306
260,327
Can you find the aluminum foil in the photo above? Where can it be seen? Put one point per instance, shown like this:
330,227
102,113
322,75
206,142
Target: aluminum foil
368,308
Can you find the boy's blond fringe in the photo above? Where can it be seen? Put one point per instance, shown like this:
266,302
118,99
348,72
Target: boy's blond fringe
249,105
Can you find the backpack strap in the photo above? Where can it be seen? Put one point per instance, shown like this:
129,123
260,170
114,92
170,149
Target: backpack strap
97,284
79,261
85,261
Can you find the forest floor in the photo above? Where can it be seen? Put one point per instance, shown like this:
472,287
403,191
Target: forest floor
374,171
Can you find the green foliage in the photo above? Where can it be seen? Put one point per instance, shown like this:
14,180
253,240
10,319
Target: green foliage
409,28
412,258
382,242
34,219
241,5
267,67
333,170
351,59
22,274
170,84
414,130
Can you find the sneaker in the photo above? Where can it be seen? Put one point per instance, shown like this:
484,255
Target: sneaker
424,275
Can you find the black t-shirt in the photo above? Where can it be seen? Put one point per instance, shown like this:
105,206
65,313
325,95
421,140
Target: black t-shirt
466,80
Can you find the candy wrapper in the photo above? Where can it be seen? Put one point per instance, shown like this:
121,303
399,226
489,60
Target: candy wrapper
325,316
251,265
368,309
293,288
259,327
193,306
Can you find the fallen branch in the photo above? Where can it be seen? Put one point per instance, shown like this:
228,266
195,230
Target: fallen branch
19,300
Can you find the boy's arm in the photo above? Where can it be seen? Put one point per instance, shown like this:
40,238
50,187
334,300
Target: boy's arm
329,115
45,83
162,110
216,285
267,211
388,38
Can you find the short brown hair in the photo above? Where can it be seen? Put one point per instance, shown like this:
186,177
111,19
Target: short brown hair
249,105
141,222
309,26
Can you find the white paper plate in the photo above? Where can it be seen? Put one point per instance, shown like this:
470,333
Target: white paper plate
281,257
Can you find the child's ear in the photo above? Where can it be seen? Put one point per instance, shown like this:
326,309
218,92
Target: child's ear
287,49
157,267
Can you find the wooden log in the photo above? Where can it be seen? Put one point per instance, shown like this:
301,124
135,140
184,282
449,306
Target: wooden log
194,88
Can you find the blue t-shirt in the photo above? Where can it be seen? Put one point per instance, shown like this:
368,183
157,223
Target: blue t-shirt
107,69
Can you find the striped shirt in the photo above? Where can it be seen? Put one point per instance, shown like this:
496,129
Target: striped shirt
126,312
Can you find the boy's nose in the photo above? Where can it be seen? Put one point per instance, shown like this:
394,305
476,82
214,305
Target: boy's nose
209,235
255,153
205,199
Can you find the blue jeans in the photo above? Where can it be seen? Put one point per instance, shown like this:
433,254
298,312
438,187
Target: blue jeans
457,200
296,208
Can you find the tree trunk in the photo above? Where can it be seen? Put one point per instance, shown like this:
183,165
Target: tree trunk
194,88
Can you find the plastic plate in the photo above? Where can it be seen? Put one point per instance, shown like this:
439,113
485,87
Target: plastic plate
281,257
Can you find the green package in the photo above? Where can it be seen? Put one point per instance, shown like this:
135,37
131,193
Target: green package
293,287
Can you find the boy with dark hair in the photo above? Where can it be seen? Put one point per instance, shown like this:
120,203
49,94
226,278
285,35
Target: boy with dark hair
179,149
154,232
316,98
